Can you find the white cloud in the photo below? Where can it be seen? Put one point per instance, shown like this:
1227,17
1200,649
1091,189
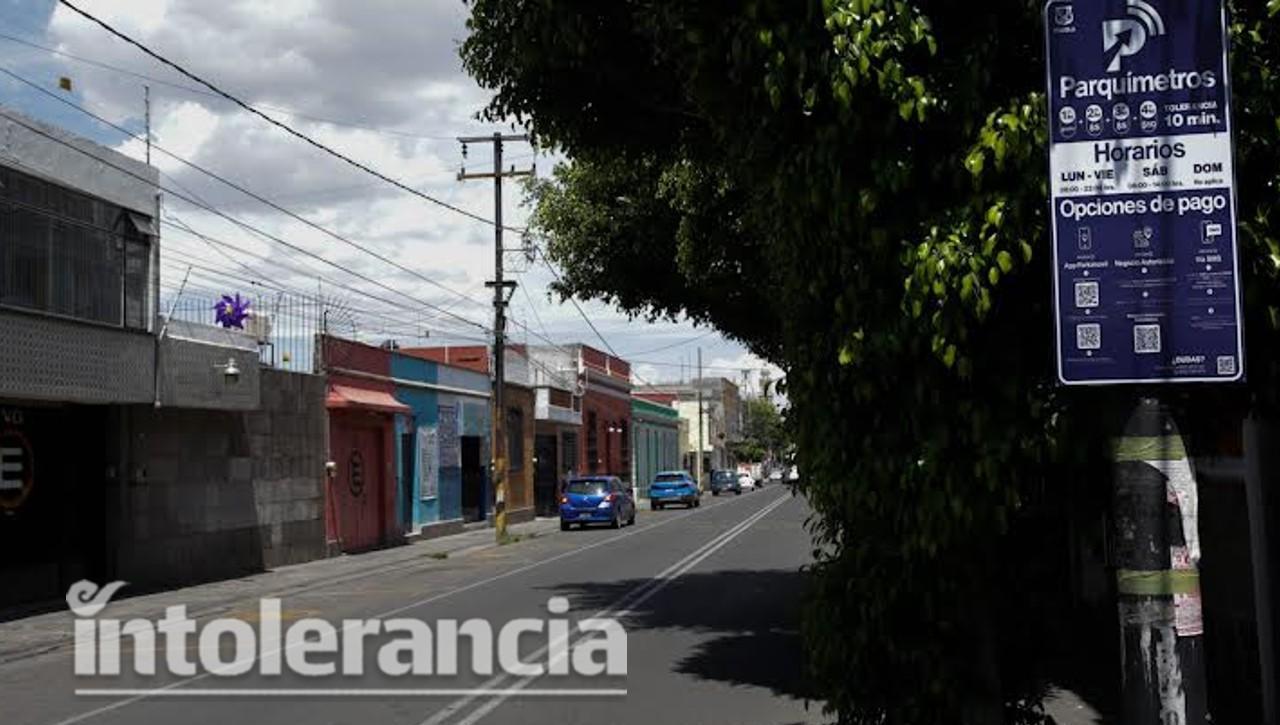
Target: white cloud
382,64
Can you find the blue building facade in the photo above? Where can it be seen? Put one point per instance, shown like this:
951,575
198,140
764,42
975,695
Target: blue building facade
442,447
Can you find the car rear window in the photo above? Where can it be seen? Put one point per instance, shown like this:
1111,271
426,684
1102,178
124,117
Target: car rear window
669,478
587,487
723,476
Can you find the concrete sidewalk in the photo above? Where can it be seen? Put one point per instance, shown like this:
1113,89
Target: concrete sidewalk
1068,708
52,631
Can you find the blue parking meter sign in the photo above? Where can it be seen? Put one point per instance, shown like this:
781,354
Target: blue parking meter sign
1147,282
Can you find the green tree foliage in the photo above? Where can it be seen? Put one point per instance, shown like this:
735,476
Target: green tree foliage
856,190
763,432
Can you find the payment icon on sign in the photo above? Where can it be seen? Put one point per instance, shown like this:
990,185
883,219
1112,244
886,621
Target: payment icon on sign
1210,232
1084,235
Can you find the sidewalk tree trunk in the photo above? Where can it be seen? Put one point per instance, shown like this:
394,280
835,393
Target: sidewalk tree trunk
855,189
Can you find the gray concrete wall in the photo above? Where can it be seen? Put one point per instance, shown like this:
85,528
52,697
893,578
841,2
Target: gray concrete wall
192,370
49,358
216,494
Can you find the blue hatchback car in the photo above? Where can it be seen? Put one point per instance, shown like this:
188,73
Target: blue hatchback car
596,500
674,487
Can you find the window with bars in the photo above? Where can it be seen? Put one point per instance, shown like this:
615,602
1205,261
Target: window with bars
568,452
593,443
71,254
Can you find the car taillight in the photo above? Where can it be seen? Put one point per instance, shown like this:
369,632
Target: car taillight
564,499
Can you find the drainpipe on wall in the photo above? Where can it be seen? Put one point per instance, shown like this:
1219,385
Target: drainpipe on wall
333,546
155,266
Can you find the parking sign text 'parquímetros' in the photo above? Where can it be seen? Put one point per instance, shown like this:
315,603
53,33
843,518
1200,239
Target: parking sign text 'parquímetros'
1146,272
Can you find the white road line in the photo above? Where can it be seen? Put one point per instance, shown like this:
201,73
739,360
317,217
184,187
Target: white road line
493,703
355,692
449,710
620,608
88,714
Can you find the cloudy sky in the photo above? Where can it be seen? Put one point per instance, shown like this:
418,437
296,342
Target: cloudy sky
378,80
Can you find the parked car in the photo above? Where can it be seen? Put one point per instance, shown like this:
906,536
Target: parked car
671,487
746,482
596,500
775,476
725,482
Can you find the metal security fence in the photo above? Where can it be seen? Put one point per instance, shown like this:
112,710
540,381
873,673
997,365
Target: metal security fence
284,325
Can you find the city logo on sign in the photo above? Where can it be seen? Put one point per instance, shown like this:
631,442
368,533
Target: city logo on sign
1127,36
1064,15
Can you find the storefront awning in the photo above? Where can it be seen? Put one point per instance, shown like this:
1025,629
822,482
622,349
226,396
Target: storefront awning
345,396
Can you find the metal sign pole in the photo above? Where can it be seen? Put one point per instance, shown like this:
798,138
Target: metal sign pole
1147,292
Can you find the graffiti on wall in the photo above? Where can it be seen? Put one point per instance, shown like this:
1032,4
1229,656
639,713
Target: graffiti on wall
450,455
429,461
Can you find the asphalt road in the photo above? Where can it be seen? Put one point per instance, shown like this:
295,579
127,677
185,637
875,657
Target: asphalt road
709,599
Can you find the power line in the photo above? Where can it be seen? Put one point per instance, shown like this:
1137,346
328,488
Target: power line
251,194
538,251
532,309
232,219
721,368
672,346
215,243
217,250
278,124
210,94
187,261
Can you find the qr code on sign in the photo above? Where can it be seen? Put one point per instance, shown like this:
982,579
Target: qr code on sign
1146,339
1089,337
1086,294
1227,365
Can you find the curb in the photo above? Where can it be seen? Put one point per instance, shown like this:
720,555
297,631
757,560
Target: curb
66,642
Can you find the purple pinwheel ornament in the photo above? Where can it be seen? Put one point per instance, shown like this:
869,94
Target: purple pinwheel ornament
232,311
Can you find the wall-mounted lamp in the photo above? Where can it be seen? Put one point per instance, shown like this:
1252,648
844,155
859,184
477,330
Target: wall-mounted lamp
230,371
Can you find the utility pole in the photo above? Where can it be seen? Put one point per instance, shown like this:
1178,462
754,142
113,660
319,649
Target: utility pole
697,385
1156,554
498,448
146,102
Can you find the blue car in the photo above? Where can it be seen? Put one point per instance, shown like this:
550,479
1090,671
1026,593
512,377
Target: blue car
596,500
725,482
674,487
